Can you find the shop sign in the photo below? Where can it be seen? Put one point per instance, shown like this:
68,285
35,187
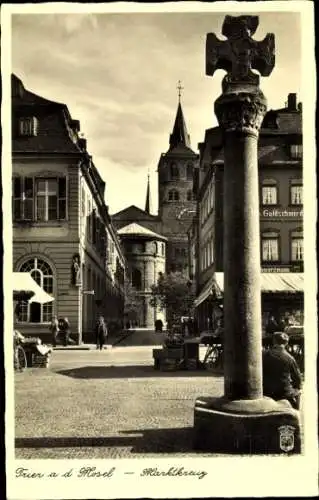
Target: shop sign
276,270
294,268
279,213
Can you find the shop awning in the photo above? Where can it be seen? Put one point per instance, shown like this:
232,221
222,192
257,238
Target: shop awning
270,283
207,291
23,282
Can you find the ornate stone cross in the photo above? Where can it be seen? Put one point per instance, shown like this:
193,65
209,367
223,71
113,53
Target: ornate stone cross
239,54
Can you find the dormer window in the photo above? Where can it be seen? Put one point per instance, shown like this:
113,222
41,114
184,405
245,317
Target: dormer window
28,126
296,151
271,120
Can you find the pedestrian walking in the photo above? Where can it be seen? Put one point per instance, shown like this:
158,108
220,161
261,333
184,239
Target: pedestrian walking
54,329
64,327
100,332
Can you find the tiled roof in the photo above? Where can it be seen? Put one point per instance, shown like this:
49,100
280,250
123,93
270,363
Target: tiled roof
133,213
135,229
181,149
267,154
288,122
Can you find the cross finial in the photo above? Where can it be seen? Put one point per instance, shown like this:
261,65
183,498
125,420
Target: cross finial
239,54
179,88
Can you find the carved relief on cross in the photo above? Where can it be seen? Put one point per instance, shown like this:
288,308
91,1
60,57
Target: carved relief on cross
239,54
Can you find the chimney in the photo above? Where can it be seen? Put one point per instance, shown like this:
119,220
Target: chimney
75,125
82,143
292,102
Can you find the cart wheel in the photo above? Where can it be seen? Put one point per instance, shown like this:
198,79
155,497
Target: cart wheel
212,359
21,358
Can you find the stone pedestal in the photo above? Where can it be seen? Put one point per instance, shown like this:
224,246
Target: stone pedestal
260,426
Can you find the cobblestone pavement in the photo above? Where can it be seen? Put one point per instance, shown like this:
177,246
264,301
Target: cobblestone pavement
109,404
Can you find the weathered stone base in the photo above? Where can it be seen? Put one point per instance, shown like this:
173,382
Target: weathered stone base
246,426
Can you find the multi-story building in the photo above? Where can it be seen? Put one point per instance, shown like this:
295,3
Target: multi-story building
145,254
62,232
281,216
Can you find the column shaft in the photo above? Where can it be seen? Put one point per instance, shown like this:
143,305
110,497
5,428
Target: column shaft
242,280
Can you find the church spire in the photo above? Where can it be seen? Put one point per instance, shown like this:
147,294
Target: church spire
179,135
148,204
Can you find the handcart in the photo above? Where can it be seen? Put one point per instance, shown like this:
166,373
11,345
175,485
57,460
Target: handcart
177,353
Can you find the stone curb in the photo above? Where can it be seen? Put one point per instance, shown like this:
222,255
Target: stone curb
78,348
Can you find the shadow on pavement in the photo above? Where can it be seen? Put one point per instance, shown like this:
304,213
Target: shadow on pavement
133,371
177,440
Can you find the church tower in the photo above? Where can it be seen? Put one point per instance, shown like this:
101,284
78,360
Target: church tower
176,203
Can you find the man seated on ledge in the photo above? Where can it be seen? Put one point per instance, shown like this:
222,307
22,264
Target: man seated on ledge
281,375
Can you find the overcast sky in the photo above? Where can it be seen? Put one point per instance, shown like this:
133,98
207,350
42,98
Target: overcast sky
118,73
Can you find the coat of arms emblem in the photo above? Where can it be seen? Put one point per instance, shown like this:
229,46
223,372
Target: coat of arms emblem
286,438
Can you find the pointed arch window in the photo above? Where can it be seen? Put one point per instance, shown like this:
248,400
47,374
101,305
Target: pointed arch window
190,196
136,279
174,172
189,171
42,274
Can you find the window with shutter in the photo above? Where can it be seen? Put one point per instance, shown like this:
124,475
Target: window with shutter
40,199
23,198
17,198
62,198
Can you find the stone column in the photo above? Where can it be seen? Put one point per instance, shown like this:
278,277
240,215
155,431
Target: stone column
240,116
242,421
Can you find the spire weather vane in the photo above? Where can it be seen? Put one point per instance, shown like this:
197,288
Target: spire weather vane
179,88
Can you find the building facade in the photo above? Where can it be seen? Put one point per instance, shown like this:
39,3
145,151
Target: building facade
62,232
281,216
145,253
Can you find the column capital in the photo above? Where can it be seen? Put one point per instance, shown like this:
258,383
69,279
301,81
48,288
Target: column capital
241,111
